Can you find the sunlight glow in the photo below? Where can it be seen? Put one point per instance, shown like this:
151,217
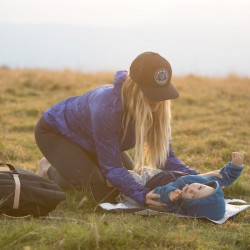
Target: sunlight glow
125,12
203,36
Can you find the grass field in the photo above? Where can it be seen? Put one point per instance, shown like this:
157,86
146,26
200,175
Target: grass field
210,120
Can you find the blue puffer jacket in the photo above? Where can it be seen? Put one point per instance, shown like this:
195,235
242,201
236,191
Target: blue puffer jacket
94,121
211,206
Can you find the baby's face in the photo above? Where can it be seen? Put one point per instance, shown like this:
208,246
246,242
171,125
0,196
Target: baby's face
195,191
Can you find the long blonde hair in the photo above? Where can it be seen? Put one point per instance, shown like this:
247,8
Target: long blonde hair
152,129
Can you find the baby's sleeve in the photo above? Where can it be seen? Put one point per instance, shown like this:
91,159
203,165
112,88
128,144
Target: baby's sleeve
229,174
164,193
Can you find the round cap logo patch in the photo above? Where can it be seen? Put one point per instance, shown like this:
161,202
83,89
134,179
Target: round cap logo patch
161,76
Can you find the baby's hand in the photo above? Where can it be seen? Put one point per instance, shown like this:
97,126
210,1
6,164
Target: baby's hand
237,158
175,195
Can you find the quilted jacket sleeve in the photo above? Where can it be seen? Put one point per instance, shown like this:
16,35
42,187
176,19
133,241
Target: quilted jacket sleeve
229,173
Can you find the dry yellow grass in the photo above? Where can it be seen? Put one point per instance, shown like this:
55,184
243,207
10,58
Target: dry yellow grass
210,120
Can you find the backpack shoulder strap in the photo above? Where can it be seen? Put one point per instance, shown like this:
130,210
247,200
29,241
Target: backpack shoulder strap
15,175
17,190
11,167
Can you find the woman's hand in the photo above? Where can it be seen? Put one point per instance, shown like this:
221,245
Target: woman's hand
214,173
150,200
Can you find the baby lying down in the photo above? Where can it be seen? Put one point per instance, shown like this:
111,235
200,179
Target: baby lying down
197,195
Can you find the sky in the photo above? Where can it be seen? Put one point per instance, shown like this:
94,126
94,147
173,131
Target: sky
208,37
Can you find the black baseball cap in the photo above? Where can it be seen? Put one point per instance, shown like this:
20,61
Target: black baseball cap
153,74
